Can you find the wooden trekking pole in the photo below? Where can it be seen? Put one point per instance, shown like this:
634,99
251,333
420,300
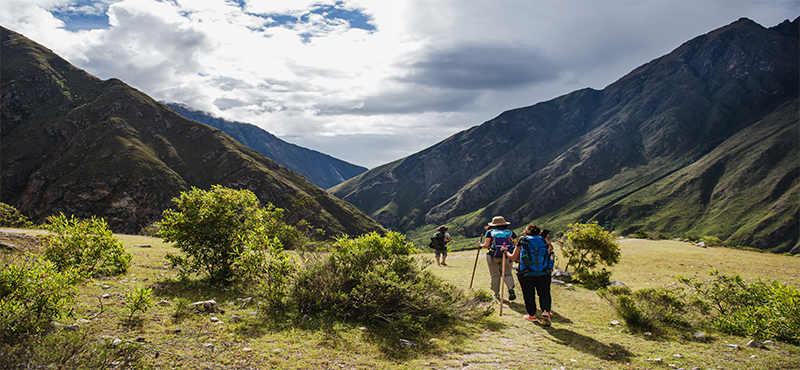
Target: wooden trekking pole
475,266
502,281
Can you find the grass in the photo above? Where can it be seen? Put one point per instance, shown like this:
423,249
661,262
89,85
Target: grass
581,336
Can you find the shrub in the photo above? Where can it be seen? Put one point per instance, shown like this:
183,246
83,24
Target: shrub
33,292
586,247
216,228
593,279
85,244
266,271
650,309
71,350
138,300
641,234
764,310
375,280
711,241
10,217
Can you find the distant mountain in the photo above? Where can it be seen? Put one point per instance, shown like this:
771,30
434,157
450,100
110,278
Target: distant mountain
73,143
321,169
702,141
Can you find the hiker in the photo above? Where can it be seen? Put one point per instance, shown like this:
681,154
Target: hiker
535,266
439,242
499,240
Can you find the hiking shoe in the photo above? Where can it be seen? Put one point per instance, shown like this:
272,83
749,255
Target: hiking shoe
444,264
511,295
496,296
544,319
529,317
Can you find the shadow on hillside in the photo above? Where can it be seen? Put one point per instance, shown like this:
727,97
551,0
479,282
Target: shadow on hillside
580,342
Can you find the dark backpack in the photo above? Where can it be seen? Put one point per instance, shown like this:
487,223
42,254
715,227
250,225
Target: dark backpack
534,259
501,237
437,241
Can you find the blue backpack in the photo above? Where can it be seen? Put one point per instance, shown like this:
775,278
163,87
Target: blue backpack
534,259
501,237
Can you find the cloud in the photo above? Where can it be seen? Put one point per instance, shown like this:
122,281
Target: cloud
369,81
479,66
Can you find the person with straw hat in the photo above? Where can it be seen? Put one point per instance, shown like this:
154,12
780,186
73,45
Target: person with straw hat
498,239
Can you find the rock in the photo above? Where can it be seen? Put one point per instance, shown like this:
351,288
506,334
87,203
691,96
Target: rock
655,359
276,350
106,296
408,343
142,245
247,349
207,306
176,331
164,302
614,322
732,346
699,336
701,244
648,334
432,340
755,344
677,355
73,327
562,276
769,342
617,283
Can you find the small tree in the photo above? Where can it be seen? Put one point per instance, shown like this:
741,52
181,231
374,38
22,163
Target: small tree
589,245
85,244
215,228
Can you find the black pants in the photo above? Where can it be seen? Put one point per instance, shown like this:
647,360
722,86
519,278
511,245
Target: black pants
533,285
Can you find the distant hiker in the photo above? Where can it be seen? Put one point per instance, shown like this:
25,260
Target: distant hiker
439,244
499,240
534,253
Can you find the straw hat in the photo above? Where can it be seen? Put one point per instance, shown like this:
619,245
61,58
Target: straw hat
442,228
499,221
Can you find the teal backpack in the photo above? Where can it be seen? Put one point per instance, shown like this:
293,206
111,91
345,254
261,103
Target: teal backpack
534,259
501,237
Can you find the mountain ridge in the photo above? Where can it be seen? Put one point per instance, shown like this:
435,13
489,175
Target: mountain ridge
321,169
567,159
78,145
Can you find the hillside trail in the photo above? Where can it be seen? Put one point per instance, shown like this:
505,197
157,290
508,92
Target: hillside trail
512,342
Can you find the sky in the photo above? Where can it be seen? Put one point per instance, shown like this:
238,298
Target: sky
369,81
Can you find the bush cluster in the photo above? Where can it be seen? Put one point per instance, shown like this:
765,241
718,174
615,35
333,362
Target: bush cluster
10,217
653,310
33,292
761,309
86,244
375,280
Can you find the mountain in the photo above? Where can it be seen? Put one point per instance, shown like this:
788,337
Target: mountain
321,169
700,142
76,144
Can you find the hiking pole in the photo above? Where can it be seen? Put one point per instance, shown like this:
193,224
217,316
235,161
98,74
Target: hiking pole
475,266
502,281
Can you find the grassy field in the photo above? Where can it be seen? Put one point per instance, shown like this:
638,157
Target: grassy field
581,336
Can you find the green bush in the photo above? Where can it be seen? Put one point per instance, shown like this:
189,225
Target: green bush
138,300
651,309
10,217
85,244
641,234
375,280
33,292
761,309
587,247
593,279
215,229
711,241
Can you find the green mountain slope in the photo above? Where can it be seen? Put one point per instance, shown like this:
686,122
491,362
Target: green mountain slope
72,143
321,169
609,154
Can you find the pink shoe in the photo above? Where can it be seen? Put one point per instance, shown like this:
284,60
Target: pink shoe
544,319
529,317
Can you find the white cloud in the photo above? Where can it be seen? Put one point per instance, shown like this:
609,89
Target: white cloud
369,81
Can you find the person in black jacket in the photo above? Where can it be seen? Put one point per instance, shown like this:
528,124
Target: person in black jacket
440,240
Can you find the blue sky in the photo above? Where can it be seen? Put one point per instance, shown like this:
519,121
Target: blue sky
369,81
